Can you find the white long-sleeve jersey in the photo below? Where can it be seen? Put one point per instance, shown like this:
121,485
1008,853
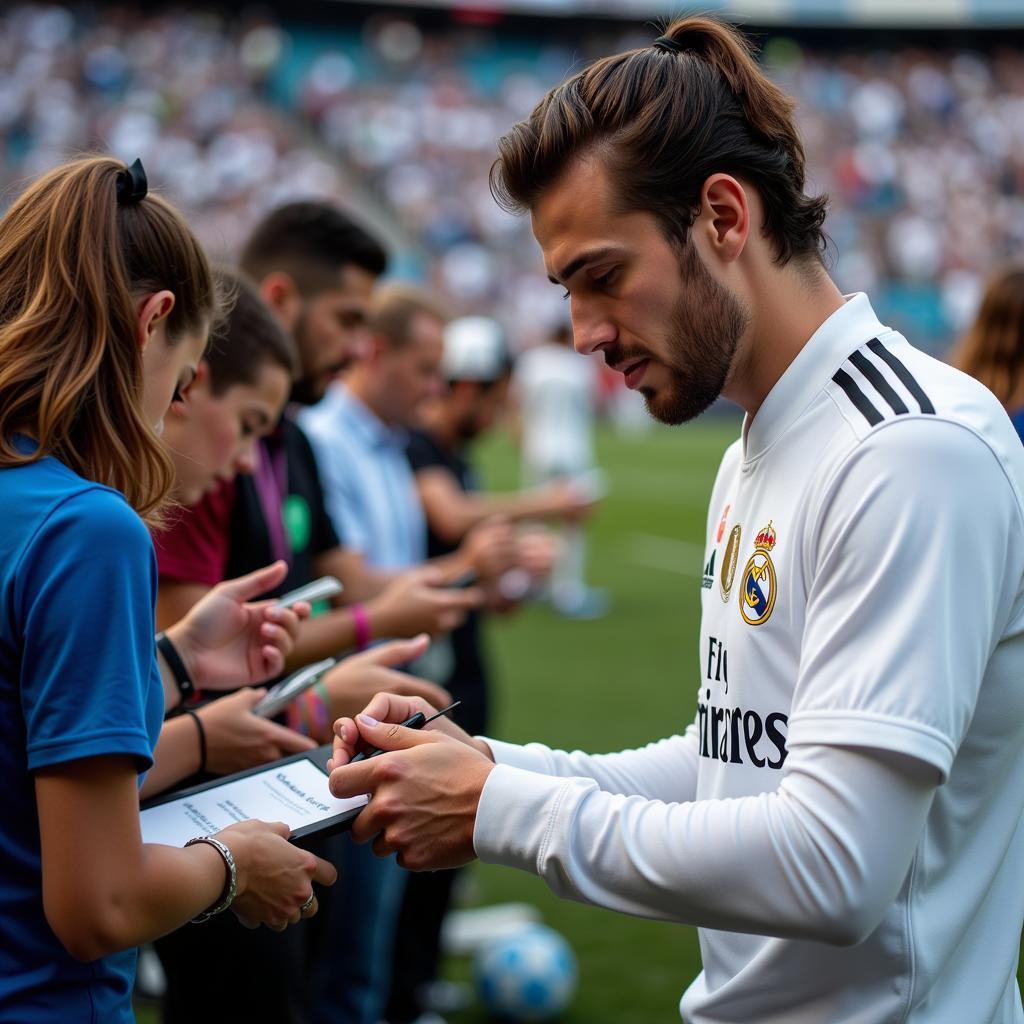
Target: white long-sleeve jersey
843,818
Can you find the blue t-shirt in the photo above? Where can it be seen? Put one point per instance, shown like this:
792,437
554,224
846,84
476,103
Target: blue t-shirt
78,678
1017,419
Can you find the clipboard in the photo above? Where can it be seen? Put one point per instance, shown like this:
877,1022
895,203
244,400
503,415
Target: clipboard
293,790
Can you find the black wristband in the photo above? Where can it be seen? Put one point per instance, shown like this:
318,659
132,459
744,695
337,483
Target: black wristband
185,685
202,738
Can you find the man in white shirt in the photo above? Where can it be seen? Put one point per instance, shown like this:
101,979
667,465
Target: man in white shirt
843,817
556,393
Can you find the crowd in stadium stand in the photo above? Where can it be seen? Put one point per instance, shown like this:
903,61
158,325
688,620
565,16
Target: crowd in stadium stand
921,152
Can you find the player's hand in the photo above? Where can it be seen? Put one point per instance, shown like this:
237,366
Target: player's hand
424,793
275,878
227,641
490,548
392,708
352,685
236,739
414,603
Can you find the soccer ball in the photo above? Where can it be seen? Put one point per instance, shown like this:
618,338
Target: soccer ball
528,976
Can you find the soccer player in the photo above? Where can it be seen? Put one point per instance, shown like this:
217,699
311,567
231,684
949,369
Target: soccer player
556,392
842,819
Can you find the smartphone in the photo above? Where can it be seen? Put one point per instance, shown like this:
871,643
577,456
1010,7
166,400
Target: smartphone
278,697
318,590
463,581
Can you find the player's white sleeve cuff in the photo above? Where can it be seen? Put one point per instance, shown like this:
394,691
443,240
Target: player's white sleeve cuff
882,732
531,757
514,817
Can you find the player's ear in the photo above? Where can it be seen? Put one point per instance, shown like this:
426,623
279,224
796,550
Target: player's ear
724,218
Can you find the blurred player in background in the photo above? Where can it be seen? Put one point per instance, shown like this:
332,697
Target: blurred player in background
842,819
992,350
557,395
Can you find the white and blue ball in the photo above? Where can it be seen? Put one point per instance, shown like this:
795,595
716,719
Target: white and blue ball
527,976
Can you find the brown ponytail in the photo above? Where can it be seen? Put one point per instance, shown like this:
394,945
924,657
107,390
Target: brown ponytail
72,262
663,119
768,110
992,350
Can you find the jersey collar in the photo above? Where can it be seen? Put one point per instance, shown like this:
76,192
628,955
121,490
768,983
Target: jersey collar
849,327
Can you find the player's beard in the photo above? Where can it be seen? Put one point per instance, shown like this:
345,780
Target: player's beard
703,332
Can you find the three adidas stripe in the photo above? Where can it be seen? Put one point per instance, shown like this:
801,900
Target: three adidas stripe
871,373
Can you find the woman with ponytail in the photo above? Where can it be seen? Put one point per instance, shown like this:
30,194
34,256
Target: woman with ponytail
992,350
106,303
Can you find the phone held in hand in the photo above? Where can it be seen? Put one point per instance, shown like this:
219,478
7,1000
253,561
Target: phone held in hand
280,696
465,580
318,590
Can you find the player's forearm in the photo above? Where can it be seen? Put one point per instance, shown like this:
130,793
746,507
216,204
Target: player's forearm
666,770
819,859
177,755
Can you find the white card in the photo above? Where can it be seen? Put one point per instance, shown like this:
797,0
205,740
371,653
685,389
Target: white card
295,793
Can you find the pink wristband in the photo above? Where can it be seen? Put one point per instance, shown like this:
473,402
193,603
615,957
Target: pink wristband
362,621
319,705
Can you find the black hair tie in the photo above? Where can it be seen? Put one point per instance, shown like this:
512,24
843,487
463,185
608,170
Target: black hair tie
132,185
669,44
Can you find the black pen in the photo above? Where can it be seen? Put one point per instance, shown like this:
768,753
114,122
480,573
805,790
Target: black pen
417,721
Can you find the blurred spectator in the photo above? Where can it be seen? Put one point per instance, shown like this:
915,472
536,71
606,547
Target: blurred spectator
992,351
922,152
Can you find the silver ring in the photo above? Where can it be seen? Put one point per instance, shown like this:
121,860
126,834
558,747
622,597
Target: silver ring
309,902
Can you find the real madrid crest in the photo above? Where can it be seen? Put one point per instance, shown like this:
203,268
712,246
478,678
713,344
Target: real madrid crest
757,595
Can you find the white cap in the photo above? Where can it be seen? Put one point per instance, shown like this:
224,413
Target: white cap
474,349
